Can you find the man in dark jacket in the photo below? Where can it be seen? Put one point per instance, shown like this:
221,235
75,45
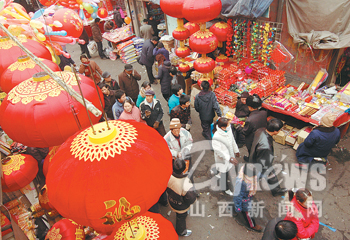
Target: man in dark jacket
147,57
165,79
109,97
112,83
262,153
206,104
84,49
128,81
181,195
278,228
117,17
97,36
242,109
256,119
152,112
320,142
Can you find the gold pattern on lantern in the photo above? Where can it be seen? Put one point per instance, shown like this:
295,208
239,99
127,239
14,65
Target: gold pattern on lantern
13,164
6,43
180,29
83,148
53,152
79,234
30,90
204,60
54,234
148,223
122,212
213,45
203,34
21,66
221,25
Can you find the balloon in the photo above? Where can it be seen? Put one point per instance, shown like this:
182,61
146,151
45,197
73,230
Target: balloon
41,37
95,8
70,20
79,1
90,10
93,15
36,24
81,14
248,70
102,13
127,20
15,30
87,15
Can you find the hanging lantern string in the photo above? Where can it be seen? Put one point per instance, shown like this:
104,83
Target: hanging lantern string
81,92
58,80
133,236
99,97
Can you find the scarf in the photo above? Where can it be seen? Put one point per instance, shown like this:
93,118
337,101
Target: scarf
252,182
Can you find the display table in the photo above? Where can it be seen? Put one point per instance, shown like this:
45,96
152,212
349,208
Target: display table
119,35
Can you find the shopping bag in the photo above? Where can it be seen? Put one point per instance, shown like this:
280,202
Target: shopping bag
92,46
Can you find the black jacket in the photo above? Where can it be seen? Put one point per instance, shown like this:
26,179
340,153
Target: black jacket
147,57
181,193
156,112
257,119
262,151
165,79
206,104
269,233
118,18
242,110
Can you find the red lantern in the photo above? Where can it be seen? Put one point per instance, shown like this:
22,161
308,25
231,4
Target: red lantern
51,116
184,67
192,27
70,20
182,52
4,223
106,179
222,58
172,8
18,171
47,3
72,4
204,64
23,69
66,229
199,82
181,33
102,13
220,30
203,42
48,159
148,226
44,199
87,15
9,51
201,11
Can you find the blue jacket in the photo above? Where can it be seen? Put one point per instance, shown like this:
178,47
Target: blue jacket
163,51
174,101
318,144
241,196
117,109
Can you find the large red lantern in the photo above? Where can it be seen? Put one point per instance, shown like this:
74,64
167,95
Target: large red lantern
23,69
182,52
181,33
104,179
18,171
201,11
203,42
220,29
204,64
184,67
148,226
172,8
9,51
48,159
199,82
192,27
102,13
50,114
65,229
70,20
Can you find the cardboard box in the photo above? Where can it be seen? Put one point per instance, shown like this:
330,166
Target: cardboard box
282,135
296,145
304,132
195,89
292,136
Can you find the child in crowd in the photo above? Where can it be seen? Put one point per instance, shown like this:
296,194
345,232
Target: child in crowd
174,100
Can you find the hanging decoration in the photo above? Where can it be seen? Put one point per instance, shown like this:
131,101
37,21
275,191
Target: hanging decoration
148,226
70,20
229,38
202,41
125,176
23,69
18,171
66,229
51,116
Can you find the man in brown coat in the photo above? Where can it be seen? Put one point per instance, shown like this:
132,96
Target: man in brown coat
90,69
97,36
128,81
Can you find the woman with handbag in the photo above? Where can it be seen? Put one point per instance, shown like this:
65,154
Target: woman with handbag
90,69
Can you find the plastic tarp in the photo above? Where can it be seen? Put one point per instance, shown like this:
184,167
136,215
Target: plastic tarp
244,8
323,24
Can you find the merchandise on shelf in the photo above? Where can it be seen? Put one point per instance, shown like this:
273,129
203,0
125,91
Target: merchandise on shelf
127,52
119,34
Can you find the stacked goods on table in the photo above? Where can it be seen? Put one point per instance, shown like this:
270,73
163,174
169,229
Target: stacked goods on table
231,99
226,77
272,82
138,43
220,95
127,52
119,34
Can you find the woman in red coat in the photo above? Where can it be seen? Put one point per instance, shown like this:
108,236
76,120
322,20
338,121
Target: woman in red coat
303,212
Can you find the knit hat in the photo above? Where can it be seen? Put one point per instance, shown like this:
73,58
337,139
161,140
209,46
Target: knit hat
106,74
149,92
175,123
128,67
244,95
328,119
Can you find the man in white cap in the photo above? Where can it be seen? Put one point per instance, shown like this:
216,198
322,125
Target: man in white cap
319,143
179,141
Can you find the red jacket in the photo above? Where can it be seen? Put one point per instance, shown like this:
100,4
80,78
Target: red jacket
305,219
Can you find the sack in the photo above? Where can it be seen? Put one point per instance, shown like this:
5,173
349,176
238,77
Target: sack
92,47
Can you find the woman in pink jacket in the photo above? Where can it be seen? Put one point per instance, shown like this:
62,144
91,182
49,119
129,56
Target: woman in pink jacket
131,112
303,212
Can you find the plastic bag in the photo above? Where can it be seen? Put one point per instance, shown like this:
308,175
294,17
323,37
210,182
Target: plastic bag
280,56
92,46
